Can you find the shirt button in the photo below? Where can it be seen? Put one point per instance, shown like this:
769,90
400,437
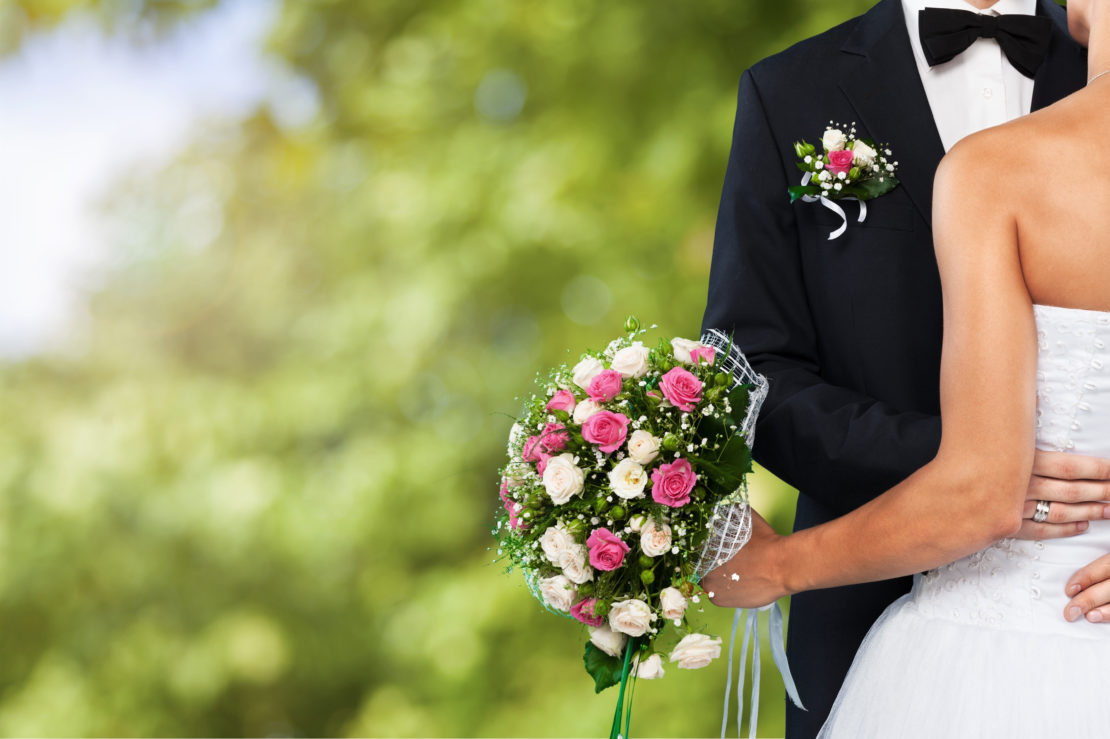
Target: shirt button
988,93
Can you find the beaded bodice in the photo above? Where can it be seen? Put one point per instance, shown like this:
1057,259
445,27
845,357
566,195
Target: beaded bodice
1019,585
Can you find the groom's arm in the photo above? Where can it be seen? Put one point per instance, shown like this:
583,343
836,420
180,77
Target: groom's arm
837,445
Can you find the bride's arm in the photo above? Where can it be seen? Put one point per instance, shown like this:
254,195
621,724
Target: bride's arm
973,491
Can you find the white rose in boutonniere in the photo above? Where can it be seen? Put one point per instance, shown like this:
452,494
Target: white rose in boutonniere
834,140
865,155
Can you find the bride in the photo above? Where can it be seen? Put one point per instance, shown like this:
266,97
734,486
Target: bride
998,637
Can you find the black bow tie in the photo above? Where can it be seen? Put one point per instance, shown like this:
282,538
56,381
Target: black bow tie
1024,39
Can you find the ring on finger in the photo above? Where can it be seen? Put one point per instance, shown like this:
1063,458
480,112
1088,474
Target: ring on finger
1041,514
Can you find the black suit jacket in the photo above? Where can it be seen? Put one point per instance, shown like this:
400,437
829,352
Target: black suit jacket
848,332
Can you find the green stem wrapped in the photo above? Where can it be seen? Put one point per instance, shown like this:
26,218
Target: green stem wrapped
616,732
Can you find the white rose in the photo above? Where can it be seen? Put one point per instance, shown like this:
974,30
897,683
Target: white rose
865,155
834,139
632,617
650,669
584,410
631,361
558,592
655,539
637,522
563,479
586,370
608,640
696,651
555,541
672,603
573,564
628,479
683,347
643,447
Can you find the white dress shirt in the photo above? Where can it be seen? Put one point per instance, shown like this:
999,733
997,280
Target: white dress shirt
979,88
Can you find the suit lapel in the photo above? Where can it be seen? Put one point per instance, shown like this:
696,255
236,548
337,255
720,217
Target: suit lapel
884,87
1065,67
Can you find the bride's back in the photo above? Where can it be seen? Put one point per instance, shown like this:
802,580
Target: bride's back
1059,159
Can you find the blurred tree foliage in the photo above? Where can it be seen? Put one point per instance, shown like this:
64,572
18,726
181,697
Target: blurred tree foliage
254,497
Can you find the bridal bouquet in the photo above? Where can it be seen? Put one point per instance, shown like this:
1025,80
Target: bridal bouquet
624,486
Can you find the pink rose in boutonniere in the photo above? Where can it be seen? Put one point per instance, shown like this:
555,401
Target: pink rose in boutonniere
841,161
850,169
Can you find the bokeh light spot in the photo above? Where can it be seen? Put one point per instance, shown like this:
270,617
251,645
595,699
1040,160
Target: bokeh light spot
500,96
586,300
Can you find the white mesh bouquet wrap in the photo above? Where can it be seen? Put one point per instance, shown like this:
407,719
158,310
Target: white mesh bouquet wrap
732,519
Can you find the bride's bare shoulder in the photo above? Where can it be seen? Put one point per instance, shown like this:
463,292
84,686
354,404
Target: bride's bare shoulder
1002,161
1034,141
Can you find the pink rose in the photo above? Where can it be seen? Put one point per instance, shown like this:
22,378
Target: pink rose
511,506
562,401
606,549
583,610
555,438
841,161
542,464
707,353
606,429
605,386
671,483
533,450
681,388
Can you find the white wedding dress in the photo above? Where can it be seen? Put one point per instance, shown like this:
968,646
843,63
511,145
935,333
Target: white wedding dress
980,647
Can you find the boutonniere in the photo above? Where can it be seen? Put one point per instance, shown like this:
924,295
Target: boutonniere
850,168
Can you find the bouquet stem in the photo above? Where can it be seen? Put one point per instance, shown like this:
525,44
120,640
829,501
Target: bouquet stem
616,732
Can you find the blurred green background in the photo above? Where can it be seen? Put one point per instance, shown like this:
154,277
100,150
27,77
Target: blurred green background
252,494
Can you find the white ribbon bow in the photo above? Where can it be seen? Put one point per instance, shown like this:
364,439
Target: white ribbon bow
835,208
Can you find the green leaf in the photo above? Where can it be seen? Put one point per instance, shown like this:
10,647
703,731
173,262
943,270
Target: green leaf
605,670
798,191
872,188
738,399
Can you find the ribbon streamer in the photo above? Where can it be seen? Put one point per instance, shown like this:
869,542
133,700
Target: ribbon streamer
835,208
778,653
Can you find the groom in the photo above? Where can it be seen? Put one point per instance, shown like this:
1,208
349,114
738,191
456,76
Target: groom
848,331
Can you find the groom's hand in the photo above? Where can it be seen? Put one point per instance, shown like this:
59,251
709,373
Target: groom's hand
1073,486
1089,590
